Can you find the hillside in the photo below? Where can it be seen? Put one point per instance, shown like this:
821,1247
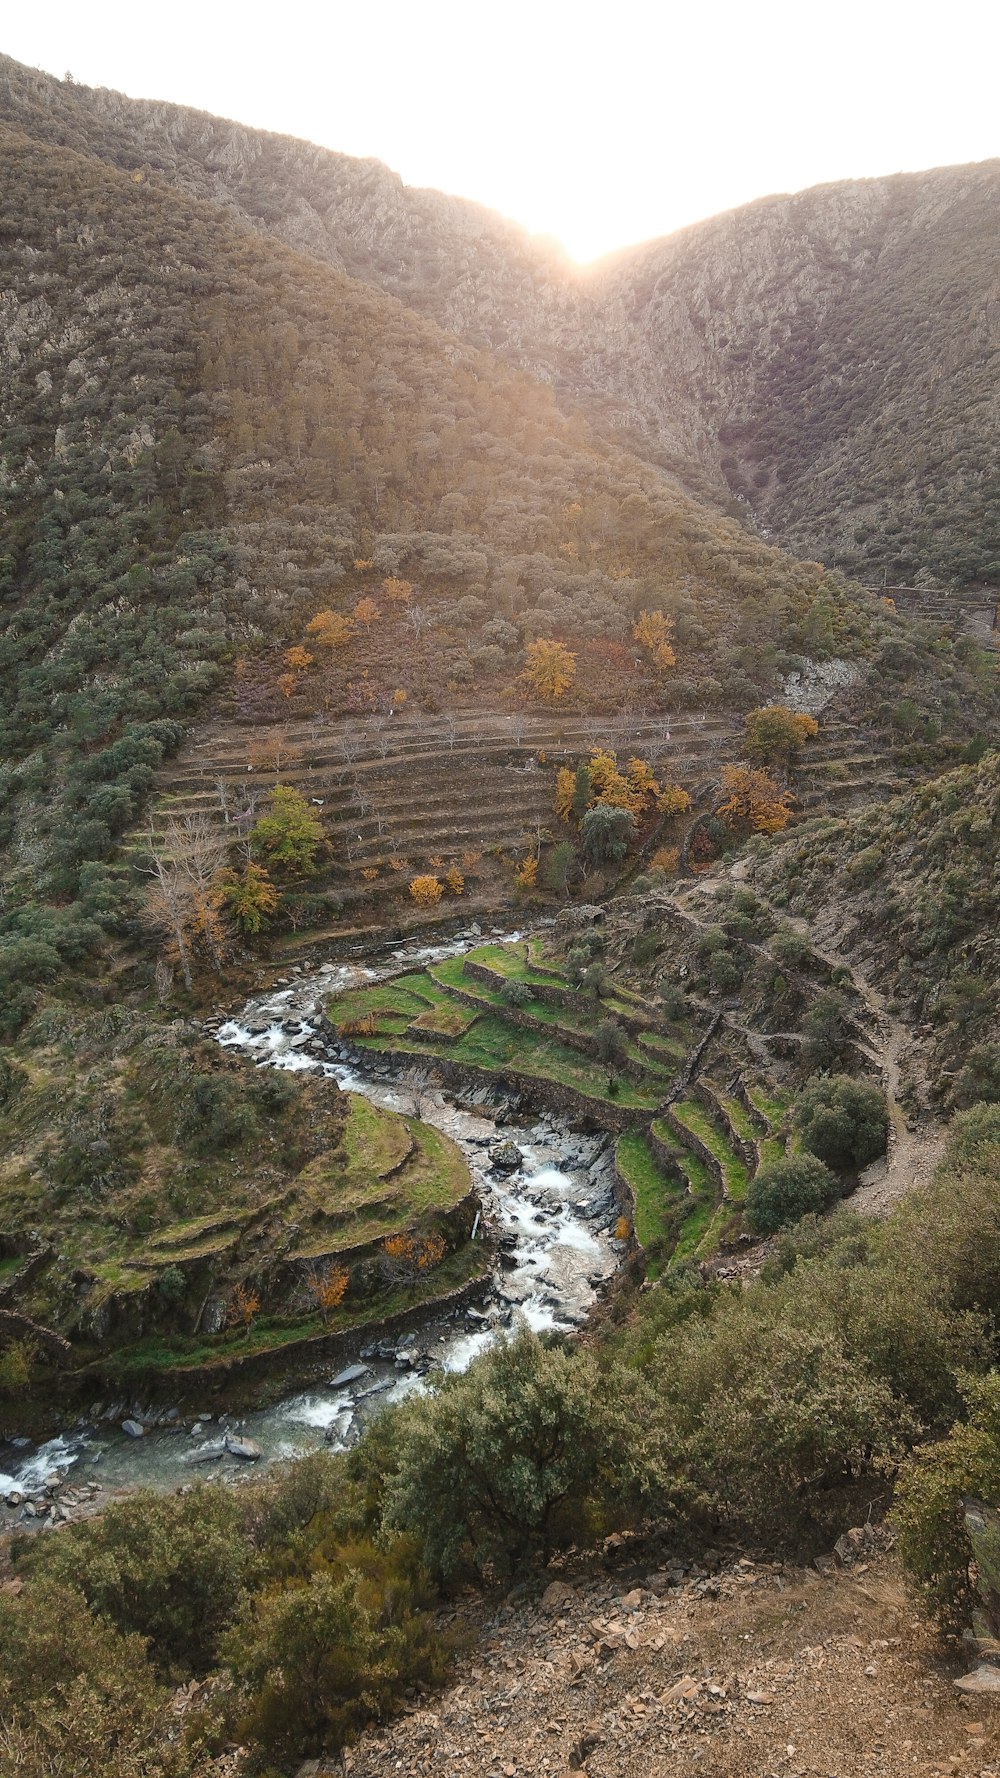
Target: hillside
827,359
910,891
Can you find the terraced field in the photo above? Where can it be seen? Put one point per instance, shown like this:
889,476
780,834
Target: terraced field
397,794
686,1155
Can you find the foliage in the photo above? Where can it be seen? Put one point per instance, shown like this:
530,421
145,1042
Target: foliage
250,897
426,891
497,1463
843,1122
784,1190
168,1566
653,630
77,1697
933,1486
330,629
289,835
550,669
775,735
606,834
754,801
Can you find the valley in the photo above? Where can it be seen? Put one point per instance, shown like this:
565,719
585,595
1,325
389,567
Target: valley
499,1082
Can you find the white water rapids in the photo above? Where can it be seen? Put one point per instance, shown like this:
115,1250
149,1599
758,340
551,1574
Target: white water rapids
554,1217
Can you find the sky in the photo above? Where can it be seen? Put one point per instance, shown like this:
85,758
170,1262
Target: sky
598,125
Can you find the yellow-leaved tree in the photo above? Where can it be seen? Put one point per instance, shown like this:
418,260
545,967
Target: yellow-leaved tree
330,629
653,631
755,801
550,669
426,891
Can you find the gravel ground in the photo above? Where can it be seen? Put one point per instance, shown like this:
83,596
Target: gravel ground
755,1671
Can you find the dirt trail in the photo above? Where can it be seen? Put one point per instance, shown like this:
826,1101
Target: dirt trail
756,1671
915,1147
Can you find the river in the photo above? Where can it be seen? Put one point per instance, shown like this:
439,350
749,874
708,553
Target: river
554,1215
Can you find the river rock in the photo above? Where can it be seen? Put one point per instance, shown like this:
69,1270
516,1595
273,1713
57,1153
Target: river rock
505,1156
242,1447
353,1374
133,1429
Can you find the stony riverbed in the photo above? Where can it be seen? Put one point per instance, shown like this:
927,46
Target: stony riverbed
552,1214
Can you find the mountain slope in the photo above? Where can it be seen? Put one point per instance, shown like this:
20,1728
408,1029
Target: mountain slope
828,358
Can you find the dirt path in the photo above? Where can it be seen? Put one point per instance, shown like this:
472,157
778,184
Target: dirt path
916,1145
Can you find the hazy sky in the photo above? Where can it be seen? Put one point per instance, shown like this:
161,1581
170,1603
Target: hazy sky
600,125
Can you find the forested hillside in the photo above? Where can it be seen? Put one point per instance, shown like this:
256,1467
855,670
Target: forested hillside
209,440
828,359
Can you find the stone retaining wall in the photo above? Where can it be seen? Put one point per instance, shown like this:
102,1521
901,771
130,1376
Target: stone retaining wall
551,1095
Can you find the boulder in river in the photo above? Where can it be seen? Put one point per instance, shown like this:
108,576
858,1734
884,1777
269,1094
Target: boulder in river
242,1447
505,1156
353,1374
133,1428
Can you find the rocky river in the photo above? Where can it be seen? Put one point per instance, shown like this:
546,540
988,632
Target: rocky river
547,1195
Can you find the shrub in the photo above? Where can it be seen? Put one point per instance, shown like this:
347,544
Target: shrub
844,1122
609,1041
516,993
787,1189
498,1463
426,891
317,1659
76,1697
933,1537
170,1567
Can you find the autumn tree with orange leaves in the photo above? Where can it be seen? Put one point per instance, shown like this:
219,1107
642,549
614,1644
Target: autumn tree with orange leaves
328,1287
366,613
754,801
330,629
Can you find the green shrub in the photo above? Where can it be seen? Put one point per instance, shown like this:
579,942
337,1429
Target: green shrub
516,993
787,1189
76,1697
498,1463
609,1041
844,1122
170,1567
932,1536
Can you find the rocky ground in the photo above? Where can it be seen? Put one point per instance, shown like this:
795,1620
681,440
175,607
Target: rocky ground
731,1669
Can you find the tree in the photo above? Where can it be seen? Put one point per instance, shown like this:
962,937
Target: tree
366,613
398,592
426,891
289,835
672,801
454,880
243,1307
785,1190
844,1122
653,631
249,897
936,1487
606,834
330,629
826,1030
565,792
526,873
550,669
754,801
184,858
297,659
583,792
559,867
775,735
328,1287
498,1463
609,1040
274,752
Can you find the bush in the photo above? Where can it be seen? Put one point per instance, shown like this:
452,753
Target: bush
609,1041
316,1660
170,1567
933,1538
516,993
844,1122
76,1697
499,1463
787,1189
